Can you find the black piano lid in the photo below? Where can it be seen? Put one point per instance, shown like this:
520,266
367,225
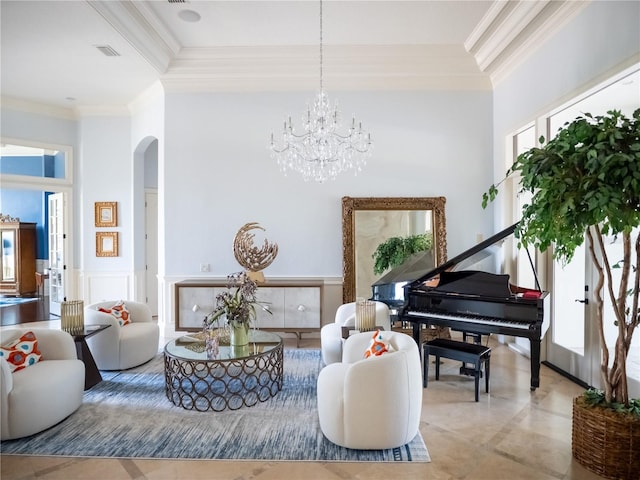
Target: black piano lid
413,267
468,257
390,287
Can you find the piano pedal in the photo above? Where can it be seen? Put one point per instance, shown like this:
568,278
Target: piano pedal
469,371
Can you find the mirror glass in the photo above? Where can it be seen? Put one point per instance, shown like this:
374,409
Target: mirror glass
8,258
369,222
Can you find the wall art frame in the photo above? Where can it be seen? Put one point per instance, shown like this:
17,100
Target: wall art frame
106,214
106,244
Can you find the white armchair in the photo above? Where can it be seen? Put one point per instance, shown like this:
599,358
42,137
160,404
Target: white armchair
39,396
372,403
331,340
119,348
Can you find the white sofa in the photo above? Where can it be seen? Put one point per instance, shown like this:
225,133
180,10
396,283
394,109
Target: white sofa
41,395
120,348
372,403
331,340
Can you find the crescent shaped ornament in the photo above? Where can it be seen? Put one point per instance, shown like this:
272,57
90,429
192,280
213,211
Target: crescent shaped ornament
252,258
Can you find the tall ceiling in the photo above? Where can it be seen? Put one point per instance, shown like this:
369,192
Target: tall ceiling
53,52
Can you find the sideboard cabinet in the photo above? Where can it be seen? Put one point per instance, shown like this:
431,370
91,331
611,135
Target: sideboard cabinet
17,258
294,306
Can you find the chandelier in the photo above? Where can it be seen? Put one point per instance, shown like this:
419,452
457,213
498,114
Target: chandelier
321,152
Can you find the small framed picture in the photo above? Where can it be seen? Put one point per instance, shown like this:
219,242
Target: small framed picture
106,244
106,214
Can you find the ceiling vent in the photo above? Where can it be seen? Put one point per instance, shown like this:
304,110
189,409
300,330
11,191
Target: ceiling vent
177,1
107,50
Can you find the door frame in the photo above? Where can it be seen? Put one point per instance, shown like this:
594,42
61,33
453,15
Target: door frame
67,252
53,185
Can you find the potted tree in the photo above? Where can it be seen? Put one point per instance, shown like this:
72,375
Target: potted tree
585,183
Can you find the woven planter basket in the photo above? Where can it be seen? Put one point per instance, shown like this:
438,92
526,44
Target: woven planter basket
605,442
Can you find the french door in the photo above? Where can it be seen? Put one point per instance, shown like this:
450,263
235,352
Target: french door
57,264
572,342
571,345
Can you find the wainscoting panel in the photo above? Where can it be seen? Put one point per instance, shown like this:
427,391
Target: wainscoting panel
99,287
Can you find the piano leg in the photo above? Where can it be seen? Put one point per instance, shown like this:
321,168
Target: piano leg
535,363
416,334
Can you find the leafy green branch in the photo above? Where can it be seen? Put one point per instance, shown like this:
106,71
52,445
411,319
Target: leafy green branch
396,250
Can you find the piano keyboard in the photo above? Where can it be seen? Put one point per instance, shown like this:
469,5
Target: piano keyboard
471,319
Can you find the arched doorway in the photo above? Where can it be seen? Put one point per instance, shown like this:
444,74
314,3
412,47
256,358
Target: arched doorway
145,199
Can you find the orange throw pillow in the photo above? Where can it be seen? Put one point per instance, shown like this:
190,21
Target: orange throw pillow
377,346
22,352
119,312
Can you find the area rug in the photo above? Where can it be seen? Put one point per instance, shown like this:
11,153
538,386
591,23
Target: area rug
8,301
128,415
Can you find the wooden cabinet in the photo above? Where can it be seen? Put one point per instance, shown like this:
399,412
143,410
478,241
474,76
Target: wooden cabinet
17,257
295,305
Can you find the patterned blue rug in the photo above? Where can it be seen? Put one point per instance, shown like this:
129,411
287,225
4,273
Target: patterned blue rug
8,301
128,415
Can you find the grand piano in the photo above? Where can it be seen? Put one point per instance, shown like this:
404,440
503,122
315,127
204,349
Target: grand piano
474,301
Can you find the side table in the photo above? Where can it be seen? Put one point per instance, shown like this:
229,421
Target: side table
348,331
40,278
91,373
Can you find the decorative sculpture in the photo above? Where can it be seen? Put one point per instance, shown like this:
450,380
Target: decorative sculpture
8,219
252,258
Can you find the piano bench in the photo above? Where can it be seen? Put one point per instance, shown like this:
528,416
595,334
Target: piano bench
462,351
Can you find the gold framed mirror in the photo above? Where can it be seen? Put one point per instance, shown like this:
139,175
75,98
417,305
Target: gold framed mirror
369,221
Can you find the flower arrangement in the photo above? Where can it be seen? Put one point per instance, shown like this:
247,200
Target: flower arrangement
237,303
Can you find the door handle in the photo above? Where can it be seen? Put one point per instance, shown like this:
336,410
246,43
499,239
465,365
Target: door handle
585,301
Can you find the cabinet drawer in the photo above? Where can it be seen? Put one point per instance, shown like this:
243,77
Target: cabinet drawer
189,297
273,299
302,307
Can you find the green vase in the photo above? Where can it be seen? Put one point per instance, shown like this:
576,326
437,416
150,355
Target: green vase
239,334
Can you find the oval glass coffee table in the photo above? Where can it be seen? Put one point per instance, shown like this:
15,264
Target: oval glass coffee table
237,377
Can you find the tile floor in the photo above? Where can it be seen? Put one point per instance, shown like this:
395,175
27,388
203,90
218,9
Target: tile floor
511,433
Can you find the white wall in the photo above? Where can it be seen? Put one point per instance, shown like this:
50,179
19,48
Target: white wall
38,126
219,176
104,159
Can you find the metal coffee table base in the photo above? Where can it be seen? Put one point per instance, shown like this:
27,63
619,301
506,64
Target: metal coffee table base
223,384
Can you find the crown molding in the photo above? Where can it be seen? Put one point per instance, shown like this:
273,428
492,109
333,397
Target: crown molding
550,21
103,111
28,106
511,31
345,67
508,33
499,27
